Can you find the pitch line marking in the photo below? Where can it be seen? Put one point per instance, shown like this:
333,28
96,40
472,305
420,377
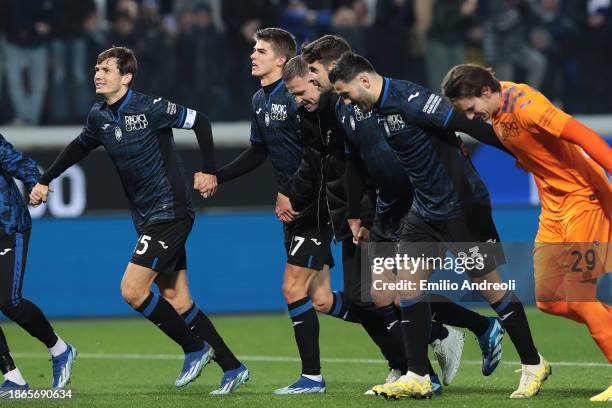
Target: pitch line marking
282,359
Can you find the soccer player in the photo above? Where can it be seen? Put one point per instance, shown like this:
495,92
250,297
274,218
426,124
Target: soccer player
136,131
275,134
16,225
365,138
567,160
320,176
451,205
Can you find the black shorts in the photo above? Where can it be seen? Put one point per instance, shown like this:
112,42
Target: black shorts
13,256
161,246
459,235
389,225
307,246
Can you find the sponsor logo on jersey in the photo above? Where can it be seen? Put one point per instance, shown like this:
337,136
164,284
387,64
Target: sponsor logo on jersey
395,122
104,126
508,130
412,96
171,108
359,115
156,100
136,122
278,112
432,104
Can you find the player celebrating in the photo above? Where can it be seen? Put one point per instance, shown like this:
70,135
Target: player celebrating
275,133
136,131
575,193
451,205
16,225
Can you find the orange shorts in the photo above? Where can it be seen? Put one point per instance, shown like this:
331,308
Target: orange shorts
570,254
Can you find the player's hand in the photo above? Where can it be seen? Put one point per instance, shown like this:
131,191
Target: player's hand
39,194
355,225
284,211
206,184
364,235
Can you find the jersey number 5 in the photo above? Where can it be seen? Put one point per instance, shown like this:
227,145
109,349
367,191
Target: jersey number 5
144,240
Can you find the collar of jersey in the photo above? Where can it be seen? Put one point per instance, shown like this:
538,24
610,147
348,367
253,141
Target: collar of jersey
269,96
383,96
125,101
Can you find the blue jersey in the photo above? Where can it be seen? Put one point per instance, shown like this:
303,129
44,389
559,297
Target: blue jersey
14,215
275,125
366,139
140,143
436,160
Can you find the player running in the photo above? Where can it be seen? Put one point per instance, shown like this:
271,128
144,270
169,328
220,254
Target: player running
567,160
16,225
451,205
136,131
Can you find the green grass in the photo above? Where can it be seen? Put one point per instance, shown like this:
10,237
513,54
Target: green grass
103,380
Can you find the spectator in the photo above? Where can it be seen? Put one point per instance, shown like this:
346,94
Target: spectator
446,36
70,99
201,54
506,41
242,18
27,34
345,24
557,39
304,23
389,40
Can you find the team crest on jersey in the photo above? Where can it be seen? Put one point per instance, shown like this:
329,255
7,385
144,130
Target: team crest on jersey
352,120
267,119
118,133
136,122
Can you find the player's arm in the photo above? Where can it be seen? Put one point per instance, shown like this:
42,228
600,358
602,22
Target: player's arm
205,181
17,165
424,108
297,193
589,141
354,183
479,130
72,154
248,160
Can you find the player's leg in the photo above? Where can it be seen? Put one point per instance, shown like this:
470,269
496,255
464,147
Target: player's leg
26,314
416,330
308,251
136,291
590,253
13,380
477,231
175,289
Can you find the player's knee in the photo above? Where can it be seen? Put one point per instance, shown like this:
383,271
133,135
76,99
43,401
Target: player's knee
293,290
133,295
322,301
10,308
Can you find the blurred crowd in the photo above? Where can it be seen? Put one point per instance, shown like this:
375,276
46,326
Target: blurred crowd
196,52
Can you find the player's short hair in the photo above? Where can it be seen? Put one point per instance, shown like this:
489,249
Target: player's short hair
467,80
283,43
126,60
348,67
325,49
296,67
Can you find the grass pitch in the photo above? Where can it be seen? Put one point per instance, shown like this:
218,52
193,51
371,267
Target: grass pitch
129,363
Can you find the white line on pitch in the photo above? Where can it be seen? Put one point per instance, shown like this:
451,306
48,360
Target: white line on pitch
281,359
